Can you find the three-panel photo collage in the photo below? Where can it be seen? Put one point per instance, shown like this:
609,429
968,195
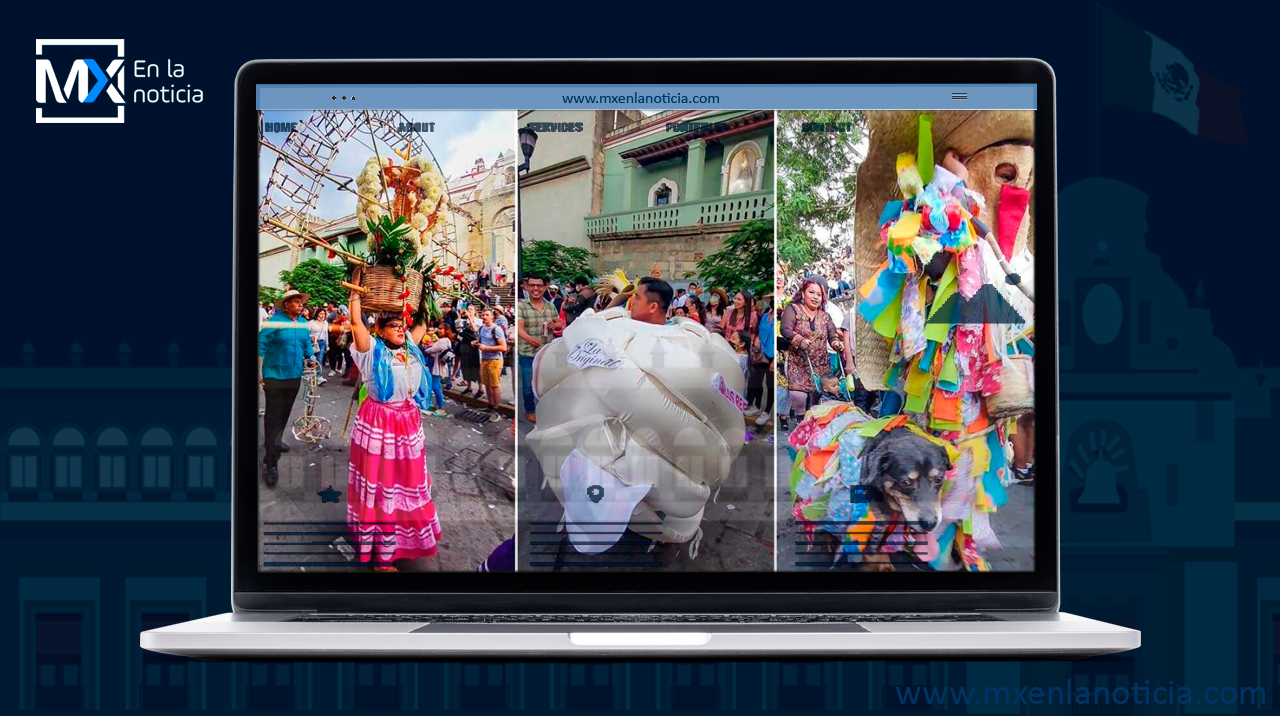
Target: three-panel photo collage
708,340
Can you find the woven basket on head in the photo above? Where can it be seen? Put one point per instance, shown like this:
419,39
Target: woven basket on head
893,132
384,289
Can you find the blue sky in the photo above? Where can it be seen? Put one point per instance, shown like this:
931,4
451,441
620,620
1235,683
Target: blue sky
458,140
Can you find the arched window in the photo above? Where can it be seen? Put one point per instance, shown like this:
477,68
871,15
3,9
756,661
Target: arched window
742,169
157,460
68,459
503,230
202,460
663,193
24,459
113,458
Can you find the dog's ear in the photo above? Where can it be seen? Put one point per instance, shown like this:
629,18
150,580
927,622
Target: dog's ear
945,457
874,458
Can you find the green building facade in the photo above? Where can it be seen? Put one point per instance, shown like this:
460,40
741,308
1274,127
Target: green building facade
676,184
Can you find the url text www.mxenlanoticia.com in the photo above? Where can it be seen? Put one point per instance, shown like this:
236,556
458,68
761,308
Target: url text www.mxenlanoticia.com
665,98
1141,694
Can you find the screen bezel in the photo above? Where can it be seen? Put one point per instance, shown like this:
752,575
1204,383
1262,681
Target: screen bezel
603,591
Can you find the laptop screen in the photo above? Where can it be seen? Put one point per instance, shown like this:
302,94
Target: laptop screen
671,328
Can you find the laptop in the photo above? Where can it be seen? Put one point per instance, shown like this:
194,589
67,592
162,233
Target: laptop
839,530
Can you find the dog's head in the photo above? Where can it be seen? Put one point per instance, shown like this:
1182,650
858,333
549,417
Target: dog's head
905,471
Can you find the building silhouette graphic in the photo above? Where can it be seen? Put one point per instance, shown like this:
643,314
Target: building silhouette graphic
1157,421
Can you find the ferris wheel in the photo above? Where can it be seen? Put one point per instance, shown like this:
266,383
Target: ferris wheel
304,164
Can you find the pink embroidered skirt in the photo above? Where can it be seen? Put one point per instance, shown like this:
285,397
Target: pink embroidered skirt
389,507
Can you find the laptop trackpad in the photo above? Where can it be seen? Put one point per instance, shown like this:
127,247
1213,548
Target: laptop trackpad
639,638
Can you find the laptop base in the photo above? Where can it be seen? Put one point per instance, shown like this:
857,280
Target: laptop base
1044,635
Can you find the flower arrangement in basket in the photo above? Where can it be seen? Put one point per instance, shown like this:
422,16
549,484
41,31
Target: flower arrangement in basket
399,276
418,191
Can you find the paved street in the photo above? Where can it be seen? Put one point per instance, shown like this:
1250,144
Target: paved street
737,526
1012,523
471,469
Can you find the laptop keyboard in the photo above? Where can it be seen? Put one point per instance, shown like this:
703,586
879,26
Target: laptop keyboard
644,618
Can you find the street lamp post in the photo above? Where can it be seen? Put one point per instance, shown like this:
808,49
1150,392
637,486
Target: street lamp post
528,141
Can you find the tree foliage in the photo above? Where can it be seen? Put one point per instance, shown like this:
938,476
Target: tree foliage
321,279
746,261
816,178
269,294
560,264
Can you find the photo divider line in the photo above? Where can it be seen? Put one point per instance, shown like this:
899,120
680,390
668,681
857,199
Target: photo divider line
773,497
516,382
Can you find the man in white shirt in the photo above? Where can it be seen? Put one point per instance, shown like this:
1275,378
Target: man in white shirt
319,328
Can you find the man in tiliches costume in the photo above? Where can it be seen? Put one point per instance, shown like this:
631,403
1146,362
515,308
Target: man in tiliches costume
945,312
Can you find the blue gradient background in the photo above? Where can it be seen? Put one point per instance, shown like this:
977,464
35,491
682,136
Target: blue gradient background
122,234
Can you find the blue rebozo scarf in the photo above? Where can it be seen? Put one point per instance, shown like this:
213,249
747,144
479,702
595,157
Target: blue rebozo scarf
384,384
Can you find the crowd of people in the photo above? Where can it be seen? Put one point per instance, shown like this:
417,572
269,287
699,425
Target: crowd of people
464,346
836,268
815,334
747,322
490,275
816,339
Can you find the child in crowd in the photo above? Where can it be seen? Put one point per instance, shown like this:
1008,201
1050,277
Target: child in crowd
438,351
741,342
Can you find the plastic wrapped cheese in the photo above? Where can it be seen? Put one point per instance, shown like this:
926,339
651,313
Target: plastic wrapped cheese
638,401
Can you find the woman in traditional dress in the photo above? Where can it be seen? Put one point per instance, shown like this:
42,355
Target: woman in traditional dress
389,506
809,328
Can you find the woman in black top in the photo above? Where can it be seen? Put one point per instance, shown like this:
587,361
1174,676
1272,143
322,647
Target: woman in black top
468,354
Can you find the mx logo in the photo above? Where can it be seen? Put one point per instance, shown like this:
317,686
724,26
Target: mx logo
86,82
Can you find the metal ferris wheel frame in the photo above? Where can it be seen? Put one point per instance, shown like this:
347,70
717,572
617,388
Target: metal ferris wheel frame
304,166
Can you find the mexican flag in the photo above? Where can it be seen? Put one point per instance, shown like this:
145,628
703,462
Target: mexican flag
1140,71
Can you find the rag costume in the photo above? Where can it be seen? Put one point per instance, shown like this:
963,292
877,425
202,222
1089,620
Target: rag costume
938,322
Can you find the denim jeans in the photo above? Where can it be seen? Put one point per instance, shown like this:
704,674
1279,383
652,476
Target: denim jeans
526,385
436,394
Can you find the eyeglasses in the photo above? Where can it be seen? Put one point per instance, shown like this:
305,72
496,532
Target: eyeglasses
394,326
